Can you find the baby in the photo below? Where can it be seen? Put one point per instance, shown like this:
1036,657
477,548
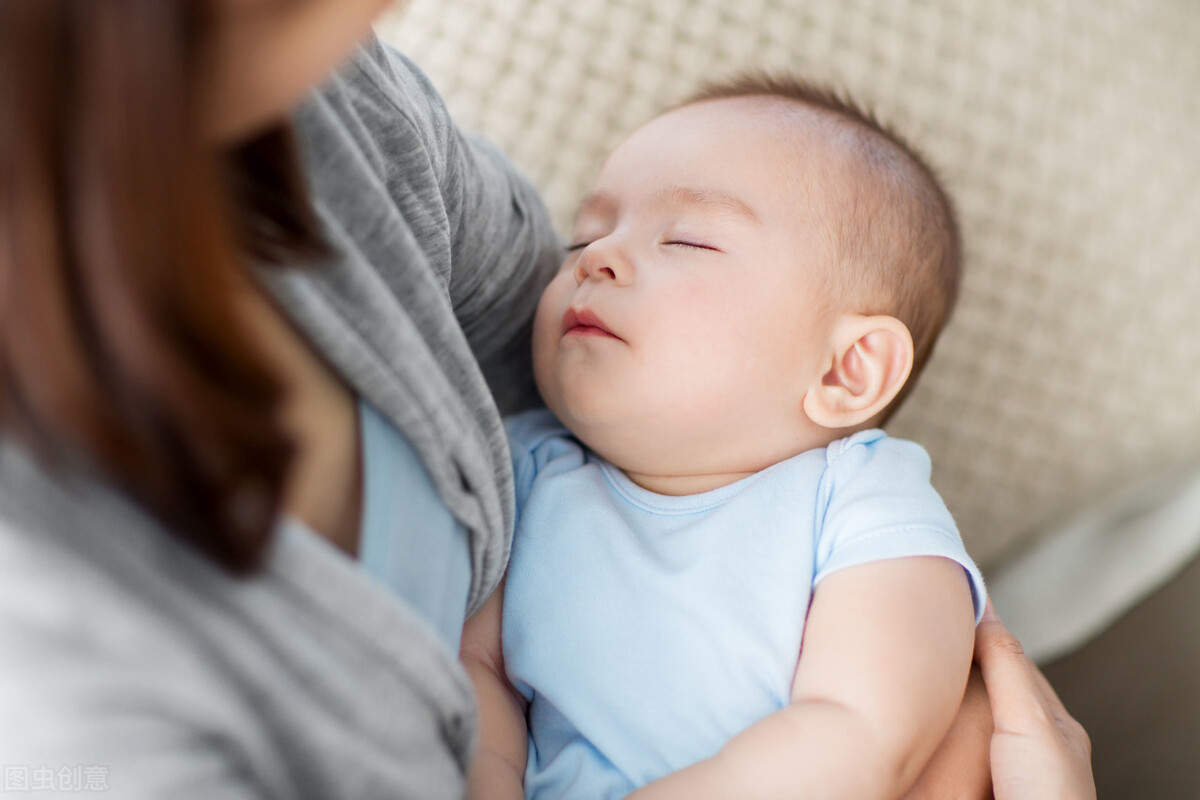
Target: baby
726,581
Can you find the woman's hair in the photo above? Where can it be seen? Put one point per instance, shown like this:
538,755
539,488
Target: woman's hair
125,237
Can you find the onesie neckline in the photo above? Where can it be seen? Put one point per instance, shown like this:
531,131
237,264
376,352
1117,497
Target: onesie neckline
670,504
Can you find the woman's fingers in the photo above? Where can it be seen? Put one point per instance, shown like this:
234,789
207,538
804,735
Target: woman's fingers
1049,697
1038,750
1018,699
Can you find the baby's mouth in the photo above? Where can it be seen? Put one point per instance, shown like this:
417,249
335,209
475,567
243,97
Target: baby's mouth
583,322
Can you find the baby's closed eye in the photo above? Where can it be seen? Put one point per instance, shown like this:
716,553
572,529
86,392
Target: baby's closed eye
693,245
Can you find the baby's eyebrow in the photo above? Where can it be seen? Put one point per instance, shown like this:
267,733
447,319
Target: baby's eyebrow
601,202
712,199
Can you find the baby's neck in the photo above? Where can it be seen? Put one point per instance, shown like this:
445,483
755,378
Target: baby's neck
684,482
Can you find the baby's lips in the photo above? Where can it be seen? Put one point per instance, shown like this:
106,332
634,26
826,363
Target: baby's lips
583,318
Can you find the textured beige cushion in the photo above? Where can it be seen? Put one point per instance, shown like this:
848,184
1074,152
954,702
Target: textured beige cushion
1066,131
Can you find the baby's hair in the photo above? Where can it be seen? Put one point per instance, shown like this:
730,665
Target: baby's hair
900,246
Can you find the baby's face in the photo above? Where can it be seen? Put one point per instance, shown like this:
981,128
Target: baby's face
689,316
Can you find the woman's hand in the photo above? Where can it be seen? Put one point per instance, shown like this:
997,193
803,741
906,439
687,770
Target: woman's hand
1038,750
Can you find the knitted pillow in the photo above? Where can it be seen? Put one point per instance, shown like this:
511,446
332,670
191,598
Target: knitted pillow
1066,132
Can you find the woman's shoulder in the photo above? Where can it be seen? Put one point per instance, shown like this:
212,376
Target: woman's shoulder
382,105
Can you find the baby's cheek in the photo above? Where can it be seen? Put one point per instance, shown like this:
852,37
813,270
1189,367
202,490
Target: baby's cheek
549,308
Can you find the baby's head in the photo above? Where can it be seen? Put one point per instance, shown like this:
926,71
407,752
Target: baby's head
757,272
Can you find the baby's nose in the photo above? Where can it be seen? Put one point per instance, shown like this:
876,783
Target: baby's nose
584,271
603,263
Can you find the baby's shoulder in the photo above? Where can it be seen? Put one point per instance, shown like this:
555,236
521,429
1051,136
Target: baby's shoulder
540,444
862,464
531,430
876,452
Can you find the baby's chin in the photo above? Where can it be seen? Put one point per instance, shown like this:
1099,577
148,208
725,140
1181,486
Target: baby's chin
610,436
592,430
590,416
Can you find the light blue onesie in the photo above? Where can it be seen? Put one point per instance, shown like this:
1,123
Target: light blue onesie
647,630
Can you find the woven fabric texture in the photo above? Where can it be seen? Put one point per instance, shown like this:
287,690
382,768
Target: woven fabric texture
1065,131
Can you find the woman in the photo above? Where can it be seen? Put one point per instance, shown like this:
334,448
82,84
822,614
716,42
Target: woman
249,337
162,403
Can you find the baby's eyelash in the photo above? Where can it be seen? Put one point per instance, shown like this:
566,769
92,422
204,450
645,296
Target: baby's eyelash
571,248
692,245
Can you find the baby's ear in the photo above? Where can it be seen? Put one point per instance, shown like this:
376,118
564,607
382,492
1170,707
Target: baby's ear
872,358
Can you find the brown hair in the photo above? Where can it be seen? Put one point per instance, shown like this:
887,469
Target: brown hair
901,246
124,236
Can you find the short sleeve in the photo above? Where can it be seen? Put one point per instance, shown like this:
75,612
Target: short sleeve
877,502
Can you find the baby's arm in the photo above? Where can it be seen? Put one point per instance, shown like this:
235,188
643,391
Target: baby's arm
498,770
887,650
